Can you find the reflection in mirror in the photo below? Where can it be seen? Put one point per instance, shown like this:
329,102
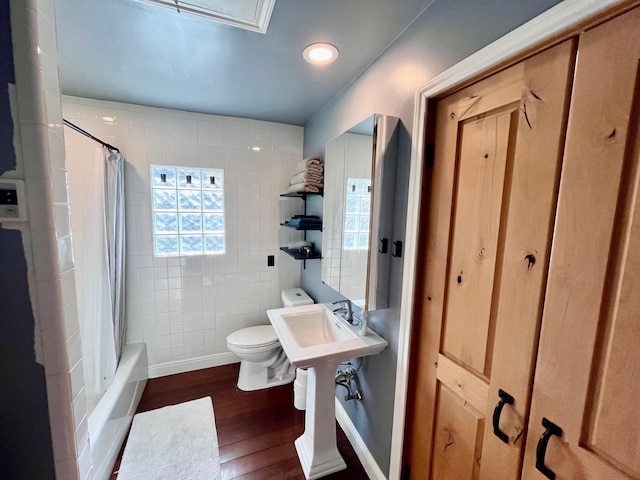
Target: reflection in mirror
358,163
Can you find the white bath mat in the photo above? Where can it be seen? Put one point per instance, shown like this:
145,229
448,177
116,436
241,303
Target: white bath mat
178,442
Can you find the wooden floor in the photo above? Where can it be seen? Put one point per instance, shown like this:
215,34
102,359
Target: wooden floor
256,430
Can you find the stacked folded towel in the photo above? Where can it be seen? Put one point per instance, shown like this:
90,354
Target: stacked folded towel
307,176
305,221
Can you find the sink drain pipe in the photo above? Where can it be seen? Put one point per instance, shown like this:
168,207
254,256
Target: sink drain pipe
344,379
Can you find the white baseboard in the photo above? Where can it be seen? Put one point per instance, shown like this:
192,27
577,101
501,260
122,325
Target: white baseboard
181,366
367,460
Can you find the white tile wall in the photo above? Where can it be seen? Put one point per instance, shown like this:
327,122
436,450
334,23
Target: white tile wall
185,307
344,270
333,218
353,263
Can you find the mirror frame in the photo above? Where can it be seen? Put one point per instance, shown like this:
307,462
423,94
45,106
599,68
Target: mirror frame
383,181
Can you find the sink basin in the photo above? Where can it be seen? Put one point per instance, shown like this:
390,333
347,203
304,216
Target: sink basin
312,333
315,328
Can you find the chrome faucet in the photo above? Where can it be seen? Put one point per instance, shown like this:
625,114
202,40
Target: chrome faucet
345,308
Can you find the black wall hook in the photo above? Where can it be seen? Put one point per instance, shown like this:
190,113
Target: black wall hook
397,248
384,245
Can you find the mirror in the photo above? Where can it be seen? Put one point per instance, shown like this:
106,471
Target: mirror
359,181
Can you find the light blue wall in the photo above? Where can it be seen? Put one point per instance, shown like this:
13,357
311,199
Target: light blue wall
25,438
7,76
447,32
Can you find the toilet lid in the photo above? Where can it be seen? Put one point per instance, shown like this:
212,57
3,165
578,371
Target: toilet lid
258,336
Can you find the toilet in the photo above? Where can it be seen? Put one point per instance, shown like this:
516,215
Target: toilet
263,363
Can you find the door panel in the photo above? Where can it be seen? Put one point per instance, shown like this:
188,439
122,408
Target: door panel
484,143
498,146
615,370
458,438
525,248
587,379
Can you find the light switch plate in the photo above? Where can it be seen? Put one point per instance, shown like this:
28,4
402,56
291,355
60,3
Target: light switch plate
13,207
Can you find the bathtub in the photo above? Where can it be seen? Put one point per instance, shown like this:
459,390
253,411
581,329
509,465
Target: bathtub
110,419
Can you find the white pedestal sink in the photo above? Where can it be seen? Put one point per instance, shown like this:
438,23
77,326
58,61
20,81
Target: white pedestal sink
314,338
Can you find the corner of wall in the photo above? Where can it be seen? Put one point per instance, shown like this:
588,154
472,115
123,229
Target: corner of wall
40,161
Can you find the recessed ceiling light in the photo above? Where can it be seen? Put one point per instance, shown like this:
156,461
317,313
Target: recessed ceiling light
320,53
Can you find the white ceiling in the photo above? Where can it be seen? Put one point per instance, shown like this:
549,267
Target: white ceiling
128,51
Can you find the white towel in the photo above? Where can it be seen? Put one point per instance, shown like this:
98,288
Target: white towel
306,177
304,187
314,168
308,163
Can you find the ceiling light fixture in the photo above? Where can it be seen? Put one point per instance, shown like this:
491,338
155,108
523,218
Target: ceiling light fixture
320,53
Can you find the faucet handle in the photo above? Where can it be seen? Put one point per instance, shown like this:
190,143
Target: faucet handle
344,304
346,307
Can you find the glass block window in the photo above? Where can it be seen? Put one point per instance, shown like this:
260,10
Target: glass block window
188,210
357,214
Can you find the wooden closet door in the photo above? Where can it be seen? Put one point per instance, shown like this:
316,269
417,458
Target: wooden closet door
587,379
498,147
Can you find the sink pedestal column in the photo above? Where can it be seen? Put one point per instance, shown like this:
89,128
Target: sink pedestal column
317,447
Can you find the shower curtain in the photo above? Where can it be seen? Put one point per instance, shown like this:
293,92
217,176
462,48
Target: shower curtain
101,302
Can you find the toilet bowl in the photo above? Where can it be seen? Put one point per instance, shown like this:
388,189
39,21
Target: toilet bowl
263,363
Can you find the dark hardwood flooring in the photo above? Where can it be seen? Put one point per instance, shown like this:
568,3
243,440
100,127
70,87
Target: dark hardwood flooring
256,430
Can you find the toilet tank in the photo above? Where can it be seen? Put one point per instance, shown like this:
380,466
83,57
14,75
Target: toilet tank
294,297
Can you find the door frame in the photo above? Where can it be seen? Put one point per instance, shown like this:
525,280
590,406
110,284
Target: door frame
562,21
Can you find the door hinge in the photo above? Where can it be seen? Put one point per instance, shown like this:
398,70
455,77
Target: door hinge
430,154
406,472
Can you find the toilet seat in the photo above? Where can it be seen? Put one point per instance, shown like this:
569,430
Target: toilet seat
253,337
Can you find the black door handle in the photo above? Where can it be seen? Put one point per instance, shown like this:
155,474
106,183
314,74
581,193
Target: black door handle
505,398
543,443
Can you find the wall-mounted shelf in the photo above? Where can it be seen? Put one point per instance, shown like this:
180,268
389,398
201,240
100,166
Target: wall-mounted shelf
298,255
302,195
286,224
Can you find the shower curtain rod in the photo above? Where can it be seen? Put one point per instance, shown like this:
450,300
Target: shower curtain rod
87,134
